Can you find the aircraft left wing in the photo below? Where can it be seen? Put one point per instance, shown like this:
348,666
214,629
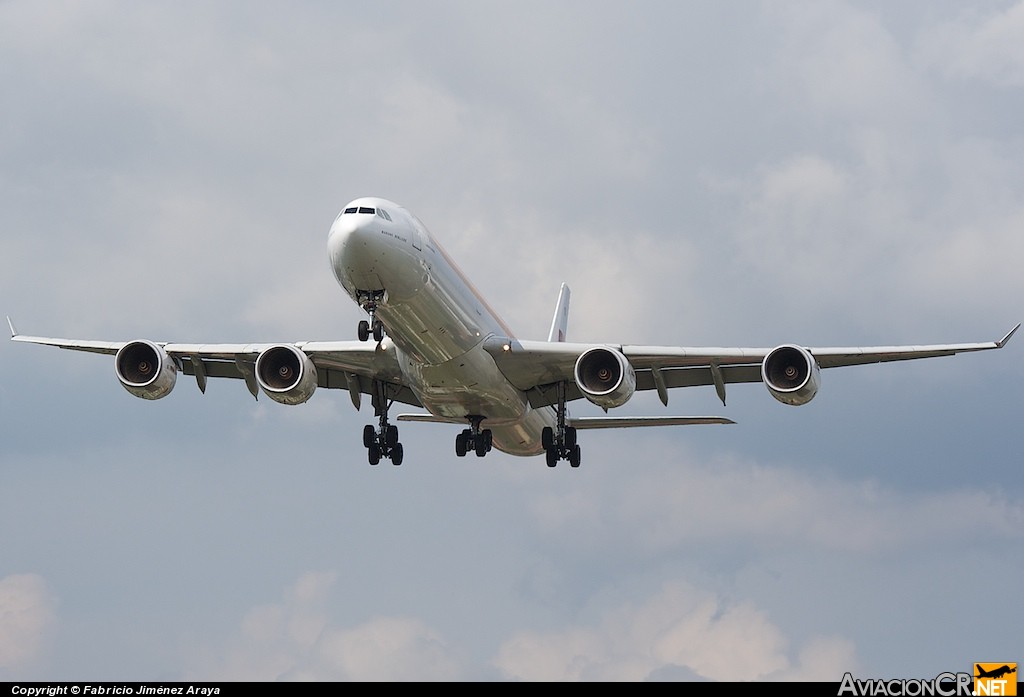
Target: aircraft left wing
539,367
355,366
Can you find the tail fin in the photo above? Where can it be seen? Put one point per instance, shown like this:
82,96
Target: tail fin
560,322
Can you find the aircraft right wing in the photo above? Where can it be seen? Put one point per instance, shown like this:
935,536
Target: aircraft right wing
355,366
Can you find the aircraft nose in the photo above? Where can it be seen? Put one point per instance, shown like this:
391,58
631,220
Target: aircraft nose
352,245
347,233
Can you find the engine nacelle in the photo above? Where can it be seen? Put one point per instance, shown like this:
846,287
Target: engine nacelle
285,374
791,374
145,369
605,377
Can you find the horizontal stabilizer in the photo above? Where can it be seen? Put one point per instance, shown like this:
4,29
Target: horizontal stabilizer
430,418
636,421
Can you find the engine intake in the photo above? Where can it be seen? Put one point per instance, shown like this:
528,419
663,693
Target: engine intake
145,369
791,374
286,374
605,377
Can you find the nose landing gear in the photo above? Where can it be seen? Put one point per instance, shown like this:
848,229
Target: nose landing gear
369,301
374,327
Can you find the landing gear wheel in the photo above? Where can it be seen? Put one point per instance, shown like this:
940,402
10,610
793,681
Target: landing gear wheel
378,332
369,436
547,437
574,456
570,437
397,453
373,454
391,435
363,330
462,443
551,456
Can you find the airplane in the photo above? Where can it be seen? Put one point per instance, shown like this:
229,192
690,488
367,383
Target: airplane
995,673
437,345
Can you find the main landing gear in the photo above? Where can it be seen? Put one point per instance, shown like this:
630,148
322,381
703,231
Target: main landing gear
473,438
560,442
368,300
382,441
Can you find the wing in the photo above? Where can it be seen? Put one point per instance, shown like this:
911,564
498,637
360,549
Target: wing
355,366
540,368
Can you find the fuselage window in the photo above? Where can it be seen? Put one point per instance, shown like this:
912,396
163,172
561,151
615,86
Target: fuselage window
364,209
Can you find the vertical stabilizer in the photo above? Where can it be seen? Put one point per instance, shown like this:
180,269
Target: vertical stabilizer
560,322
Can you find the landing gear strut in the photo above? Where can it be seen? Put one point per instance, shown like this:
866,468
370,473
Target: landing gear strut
369,300
473,438
560,442
382,441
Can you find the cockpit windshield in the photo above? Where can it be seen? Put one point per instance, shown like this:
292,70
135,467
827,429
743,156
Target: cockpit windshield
367,210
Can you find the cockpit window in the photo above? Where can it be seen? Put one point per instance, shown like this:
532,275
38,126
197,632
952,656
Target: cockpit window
366,209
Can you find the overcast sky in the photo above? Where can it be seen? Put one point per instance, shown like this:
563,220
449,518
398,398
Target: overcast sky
700,173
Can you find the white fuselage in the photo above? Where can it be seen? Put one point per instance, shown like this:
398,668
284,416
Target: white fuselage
436,320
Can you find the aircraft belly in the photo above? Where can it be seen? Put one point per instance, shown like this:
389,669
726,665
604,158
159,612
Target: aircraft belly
469,384
523,437
472,385
429,314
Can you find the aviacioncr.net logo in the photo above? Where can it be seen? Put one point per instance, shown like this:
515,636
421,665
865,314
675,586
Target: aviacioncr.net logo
942,685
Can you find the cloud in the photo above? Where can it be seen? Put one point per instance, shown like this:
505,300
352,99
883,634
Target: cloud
844,62
296,640
989,47
27,619
388,648
796,213
740,502
678,631
677,627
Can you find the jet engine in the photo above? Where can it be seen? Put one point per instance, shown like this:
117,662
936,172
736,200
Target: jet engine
791,374
145,369
286,374
605,377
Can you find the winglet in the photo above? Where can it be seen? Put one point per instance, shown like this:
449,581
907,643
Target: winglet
14,332
999,344
560,322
